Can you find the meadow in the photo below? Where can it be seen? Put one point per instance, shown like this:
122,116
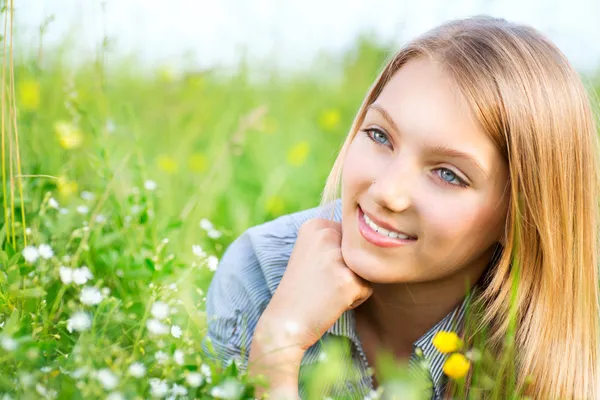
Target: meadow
121,189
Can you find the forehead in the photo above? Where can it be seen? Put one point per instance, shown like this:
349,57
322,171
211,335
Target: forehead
429,109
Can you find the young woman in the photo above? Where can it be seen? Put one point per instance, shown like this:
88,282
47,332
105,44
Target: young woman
476,136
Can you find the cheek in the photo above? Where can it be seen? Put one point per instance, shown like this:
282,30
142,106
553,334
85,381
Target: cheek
360,166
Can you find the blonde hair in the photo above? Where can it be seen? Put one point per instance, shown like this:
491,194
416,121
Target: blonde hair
531,102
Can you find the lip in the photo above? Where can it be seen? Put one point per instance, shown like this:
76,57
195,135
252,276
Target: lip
374,238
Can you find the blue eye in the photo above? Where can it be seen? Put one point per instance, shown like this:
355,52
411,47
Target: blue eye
377,136
445,172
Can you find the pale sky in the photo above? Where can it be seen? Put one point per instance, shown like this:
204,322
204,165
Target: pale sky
288,33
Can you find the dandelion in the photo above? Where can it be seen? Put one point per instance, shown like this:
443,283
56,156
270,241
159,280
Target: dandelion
206,224
90,296
446,342
160,310
197,162
66,187
8,343
45,251
178,390
161,357
30,254
197,250
158,387
82,209
167,164
297,155
179,357
80,321
156,327
150,185
456,366
214,234
137,370
176,331
212,263
69,135
329,120
194,379
107,379
52,203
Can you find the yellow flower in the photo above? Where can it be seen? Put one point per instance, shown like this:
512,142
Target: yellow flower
275,205
69,135
29,94
167,164
330,120
446,342
456,366
296,156
66,187
197,162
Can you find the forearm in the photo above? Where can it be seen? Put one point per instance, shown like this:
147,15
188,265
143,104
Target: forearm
278,360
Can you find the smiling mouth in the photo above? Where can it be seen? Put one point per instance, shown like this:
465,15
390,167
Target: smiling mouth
378,236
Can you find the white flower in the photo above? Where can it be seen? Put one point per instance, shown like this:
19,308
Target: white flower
156,327
30,254
194,379
45,251
206,224
52,203
178,390
161,357
135,209
85,195
82,209
205,370
228,390
137,370
115,396
66,274
158,387
63,211
160,310
28,231
80,321
100,218
173,287
107,379
46,369
179,357
197,250
176,331
212,262
90,296
214,234
150,185
105,291
82,275
8,343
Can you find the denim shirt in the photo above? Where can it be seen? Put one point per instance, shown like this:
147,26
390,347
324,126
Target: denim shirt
244,282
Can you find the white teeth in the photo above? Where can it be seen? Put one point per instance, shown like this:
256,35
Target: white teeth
383,231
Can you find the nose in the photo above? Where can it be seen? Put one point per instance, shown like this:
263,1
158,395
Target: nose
395,185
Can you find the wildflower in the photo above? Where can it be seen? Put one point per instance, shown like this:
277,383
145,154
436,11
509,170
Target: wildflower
80,321
194,379
150,185
275,205
176,331
456,366
205,370
45,251
107,379
446,342
87,196
197,250
69,135
179,357
64,211
115,396
66,187
156,327
52,203
329,120
178,390
137,370
160,310
82,210
214,234
8,343
230,389
206,224
105,291
100,218
197,162
212,262
28,231
30,254
90,296
29,94
167,164
297,155
158,387
161,357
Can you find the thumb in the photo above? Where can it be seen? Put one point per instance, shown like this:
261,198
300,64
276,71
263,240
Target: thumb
366,292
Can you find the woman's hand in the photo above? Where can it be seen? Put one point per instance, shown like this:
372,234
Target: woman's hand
316,288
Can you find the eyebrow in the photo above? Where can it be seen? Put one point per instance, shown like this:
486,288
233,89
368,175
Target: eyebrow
436,149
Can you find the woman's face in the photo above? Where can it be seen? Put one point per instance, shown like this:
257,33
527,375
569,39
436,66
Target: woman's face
405,171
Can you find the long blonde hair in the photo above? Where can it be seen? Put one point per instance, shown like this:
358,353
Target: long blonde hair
531,102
